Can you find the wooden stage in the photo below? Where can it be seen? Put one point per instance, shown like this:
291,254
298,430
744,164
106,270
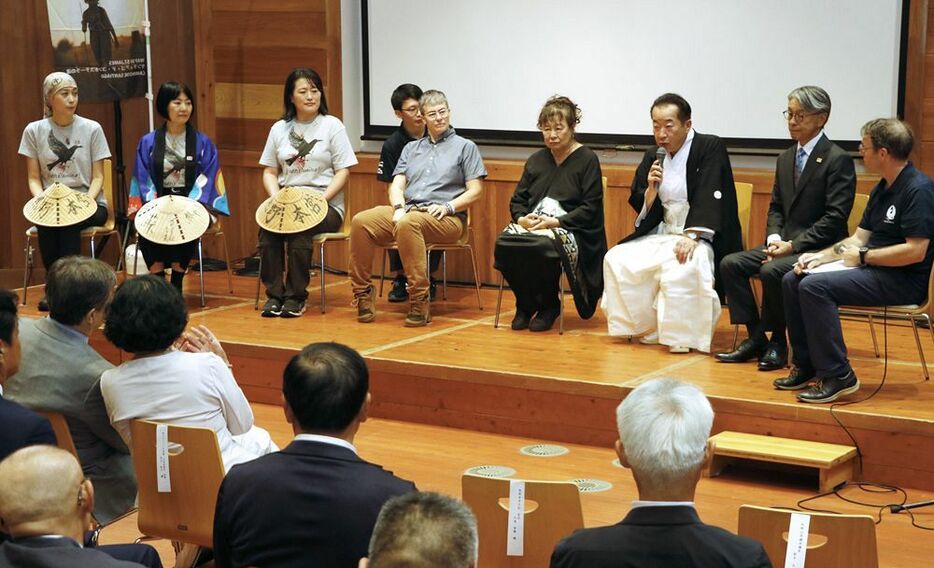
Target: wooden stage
461,372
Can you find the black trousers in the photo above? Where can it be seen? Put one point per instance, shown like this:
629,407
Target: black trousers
168,254
811,303
395,261
532,267
56,242
295,284
735,271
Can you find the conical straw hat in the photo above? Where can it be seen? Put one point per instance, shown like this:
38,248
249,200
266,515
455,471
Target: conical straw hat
292,210
59,206
172,220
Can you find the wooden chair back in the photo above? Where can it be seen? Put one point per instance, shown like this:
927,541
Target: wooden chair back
834,541
185,514
552,512
744,210
856,213
62,431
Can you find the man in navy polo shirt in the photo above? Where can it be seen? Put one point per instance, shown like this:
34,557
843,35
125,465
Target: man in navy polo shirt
887,261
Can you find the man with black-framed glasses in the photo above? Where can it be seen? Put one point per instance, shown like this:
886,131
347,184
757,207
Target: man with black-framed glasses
815,183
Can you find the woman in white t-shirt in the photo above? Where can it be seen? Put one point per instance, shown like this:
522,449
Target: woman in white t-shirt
69,149
174,377
307,148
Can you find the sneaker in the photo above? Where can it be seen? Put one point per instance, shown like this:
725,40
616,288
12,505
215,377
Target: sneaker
272,308
829,390
398,292
432,288
649,338
366,305
43,305
293,308
419,313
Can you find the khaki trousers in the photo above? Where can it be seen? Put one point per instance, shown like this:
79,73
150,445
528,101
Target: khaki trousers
374,227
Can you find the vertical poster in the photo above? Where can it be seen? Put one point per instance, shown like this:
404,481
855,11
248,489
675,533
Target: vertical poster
101,44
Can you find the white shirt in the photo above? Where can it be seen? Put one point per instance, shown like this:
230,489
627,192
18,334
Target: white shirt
637,503
188,389
320,438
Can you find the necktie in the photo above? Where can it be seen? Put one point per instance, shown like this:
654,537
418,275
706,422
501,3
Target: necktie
800,160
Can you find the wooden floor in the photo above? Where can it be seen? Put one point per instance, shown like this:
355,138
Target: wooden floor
461,372
501,389
435,457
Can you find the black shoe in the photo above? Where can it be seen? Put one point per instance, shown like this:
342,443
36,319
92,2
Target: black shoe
829,390
272,308
293,308
521,320
432,289
749,349
398,292
544,319
774,357
797,379
43,305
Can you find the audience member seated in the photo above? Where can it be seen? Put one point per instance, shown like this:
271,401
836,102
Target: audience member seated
61,372
19,426
174,377
557,219
46,504
436,179
660,280
315,502
423,530
663,429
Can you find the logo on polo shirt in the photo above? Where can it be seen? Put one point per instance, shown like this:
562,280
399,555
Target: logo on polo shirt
890,214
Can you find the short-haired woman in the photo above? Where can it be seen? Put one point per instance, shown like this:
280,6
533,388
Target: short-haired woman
189,385
307,148
68,149
557,213
175,159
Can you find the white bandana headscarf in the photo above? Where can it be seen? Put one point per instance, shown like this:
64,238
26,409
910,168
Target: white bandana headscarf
53,83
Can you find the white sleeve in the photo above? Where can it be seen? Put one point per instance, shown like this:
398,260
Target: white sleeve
99,149
27,145
270,157
234,405
342,155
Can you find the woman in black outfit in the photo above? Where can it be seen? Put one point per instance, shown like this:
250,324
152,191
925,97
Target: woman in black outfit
557,213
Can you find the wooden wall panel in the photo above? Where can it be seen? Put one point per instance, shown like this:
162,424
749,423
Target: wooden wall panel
248,100
276,29
270,65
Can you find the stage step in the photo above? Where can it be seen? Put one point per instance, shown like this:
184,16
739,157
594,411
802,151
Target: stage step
834,461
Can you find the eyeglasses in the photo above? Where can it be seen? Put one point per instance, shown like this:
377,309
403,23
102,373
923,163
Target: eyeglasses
865,148
797,116
412,111
436,114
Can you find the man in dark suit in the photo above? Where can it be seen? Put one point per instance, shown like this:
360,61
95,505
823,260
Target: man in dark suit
815,183
663,429
660,280
315,502
45,505
19,426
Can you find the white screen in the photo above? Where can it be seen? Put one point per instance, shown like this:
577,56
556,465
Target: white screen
734,60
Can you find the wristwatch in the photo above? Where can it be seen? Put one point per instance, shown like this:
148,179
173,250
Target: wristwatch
862,255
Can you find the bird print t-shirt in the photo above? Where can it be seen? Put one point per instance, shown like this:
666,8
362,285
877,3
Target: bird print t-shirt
307,154
173,166
65,154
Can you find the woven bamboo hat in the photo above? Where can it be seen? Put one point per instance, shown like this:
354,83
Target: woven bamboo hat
59,206
172,220
292,210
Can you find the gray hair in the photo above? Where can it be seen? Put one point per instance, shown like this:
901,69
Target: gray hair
892,134
663,427
813,99
424,530
432,97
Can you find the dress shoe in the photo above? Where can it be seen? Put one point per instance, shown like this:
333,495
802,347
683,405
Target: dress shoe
797,379
749,349
829,390
521,320
43,305
544,319
679,349
649,338
774,357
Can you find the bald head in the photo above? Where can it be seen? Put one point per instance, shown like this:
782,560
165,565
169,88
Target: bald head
41,484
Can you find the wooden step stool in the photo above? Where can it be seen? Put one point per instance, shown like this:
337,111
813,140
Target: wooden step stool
835,461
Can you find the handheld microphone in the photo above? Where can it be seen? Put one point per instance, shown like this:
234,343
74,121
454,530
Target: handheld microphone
660,157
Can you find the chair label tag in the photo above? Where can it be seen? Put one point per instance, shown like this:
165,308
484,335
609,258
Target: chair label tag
515,527
797,540
163,481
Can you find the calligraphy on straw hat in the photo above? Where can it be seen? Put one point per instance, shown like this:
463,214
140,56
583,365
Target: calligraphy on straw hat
172,220
59,206
292,210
